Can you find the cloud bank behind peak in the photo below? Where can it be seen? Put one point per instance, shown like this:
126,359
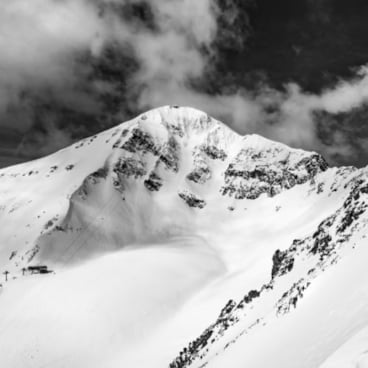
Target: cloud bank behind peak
72,67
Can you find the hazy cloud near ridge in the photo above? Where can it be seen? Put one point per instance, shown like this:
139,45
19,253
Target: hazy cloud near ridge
40,42
38,39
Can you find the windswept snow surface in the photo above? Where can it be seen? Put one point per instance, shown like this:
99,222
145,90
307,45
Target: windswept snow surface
152,227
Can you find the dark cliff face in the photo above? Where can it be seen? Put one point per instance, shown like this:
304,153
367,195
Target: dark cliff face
261,178
135,146
192,200
153,183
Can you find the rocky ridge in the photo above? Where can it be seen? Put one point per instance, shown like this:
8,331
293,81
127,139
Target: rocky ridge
256,167
313,255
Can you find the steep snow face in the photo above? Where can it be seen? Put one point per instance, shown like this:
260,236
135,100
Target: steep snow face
173,235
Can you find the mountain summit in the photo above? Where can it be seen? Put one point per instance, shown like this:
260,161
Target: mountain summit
131,177
173,235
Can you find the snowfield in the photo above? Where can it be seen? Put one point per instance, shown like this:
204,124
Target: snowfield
171,241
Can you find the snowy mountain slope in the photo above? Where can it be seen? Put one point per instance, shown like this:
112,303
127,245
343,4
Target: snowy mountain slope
353,353
293,272
169,158
153,227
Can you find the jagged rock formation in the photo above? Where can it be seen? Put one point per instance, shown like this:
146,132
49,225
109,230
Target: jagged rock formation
192,200
153,183
254,172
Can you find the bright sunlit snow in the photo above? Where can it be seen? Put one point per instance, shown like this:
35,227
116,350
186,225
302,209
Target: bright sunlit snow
149,229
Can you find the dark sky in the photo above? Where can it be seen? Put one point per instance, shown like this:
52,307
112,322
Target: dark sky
292,70
311,42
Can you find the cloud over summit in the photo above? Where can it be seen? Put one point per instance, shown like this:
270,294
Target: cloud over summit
73,67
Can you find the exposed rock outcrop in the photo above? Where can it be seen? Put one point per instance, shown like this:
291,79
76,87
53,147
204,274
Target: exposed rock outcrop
253,173
153,183
140,141
130,167
192,200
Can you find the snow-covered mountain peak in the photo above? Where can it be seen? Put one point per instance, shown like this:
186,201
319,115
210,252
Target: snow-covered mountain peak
186,118
167,158
194,129
192,125
185,124
228,232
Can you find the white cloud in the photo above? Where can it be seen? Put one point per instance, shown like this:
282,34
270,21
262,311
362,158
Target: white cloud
39,41
37,38
296,123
